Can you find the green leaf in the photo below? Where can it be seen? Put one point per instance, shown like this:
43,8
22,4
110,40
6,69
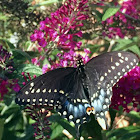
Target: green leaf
91,128
135,49
28,134
110,12
7,44
126,133
65,124
112,115
45,61
28,45
30,68
98,15
122,44
8,134
1,128
44,3
134,117
127,44
57,131
48,2
9,113
32,54
3,17
21,54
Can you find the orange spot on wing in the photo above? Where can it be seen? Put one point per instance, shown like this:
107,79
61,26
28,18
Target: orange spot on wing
89,109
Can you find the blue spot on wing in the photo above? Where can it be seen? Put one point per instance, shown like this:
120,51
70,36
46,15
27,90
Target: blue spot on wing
66,103
77,110
81,110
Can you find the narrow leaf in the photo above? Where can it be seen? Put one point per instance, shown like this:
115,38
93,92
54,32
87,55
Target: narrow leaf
22,53
110,12
30,68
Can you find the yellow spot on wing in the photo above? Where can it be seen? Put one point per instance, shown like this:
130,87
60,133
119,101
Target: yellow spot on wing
55,90
61,91
49,90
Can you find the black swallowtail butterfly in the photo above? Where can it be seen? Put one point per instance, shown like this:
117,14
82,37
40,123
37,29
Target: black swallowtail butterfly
78,92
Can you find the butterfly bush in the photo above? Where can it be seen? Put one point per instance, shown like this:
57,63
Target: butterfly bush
6,67
41,126
122,22
8,85
6,61
60,31
57,28
127,91
66,59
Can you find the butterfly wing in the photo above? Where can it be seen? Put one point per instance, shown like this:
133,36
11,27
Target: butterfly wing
61,88
48,88
103,72
74,109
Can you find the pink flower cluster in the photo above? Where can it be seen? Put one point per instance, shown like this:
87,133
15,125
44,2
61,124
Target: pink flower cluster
6,65
127,91
66,59
61,31
122,22
7,85
57,29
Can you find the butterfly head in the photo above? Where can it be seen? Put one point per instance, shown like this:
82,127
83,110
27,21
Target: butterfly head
80,62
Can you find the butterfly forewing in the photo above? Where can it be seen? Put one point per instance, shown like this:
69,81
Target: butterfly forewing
49,88
104,72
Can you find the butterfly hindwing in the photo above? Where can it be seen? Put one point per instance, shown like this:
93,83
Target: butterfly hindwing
74,109
75,113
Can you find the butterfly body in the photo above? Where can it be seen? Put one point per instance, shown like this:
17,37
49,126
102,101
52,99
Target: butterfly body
78,92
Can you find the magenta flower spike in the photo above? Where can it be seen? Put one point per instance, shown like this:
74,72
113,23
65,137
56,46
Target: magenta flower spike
57,27
121,23
127,91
